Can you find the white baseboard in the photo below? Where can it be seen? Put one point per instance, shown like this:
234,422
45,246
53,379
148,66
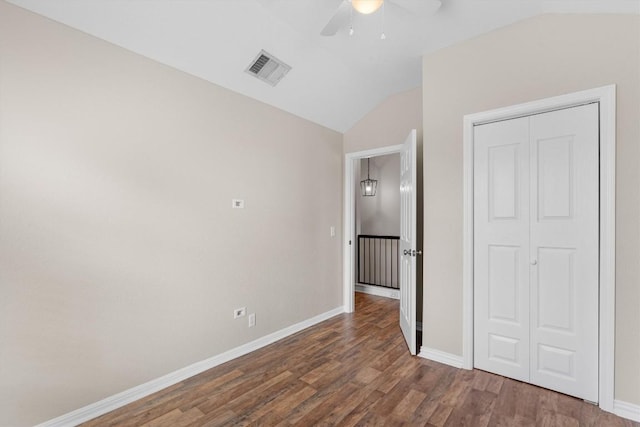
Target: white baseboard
626,410
378,291
441,357
116,401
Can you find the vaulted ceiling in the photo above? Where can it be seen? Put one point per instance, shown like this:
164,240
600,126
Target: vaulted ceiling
334,81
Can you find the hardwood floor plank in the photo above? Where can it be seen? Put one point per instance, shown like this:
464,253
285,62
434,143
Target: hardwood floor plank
259,396
588,415
166,419
547,404
526,401
610,420
125,413
175,418
423,412
523,422
284,405
215,418
334,408
440,415
366,375
242,391
495,383
364,407
353,370
506,401
405,409
474,411
558,420
372,420
322,370
457,391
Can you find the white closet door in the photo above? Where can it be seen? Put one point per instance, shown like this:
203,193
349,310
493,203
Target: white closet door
536,249
564,251
501,251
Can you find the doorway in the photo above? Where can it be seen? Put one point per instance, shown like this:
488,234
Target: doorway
408,244
351,191
603,103
378,226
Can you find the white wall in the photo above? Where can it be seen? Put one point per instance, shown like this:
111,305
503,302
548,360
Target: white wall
537,58
121,259
380,215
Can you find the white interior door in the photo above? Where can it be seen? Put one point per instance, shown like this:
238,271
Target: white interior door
536,249
408,205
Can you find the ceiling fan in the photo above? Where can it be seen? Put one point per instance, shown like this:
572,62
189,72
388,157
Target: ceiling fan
343,14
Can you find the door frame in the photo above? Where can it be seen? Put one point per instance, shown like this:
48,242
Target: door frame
349,251
606,97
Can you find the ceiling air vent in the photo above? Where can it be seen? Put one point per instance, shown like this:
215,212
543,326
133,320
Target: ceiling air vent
268,68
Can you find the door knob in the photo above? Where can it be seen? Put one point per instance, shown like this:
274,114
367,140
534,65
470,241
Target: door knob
534,262
418,252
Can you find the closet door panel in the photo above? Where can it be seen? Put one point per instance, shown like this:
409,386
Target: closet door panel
501,276
564,250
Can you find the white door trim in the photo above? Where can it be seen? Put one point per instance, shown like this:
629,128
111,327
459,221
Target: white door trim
606,97
349,253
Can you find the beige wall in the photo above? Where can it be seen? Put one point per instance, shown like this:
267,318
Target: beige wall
121,259
387,124
538,58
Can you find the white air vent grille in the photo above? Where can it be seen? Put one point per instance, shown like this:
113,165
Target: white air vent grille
268,68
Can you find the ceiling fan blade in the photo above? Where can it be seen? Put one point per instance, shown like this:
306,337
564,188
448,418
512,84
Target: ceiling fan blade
419,7
338,20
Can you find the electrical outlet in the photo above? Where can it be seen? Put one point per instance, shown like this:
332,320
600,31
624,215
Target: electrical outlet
239,312
252,320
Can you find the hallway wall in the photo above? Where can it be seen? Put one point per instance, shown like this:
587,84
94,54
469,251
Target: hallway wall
380,215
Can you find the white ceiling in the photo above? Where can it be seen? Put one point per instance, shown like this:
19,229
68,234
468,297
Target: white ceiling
335,80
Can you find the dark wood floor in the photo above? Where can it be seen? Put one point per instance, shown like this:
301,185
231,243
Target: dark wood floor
353,369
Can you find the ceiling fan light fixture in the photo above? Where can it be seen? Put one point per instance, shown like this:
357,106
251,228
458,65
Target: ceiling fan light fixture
366,7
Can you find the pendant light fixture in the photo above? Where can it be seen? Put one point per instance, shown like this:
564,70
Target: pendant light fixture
366,6
368,186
